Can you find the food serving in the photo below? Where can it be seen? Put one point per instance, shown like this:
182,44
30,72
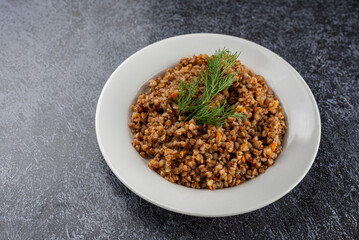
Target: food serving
208,123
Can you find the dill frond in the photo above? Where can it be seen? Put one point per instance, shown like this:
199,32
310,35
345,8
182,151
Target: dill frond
216,115
203,109
186,97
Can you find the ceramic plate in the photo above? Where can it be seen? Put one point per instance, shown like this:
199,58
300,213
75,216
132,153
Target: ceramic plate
114,136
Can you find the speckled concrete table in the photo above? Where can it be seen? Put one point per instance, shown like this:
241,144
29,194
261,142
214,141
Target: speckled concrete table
55,57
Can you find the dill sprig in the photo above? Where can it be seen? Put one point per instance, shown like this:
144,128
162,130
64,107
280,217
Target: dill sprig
203,108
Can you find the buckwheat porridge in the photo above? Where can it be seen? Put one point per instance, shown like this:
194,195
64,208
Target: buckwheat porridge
208,123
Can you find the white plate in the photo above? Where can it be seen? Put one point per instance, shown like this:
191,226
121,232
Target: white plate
114,136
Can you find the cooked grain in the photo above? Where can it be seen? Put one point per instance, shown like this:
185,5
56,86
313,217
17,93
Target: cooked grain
202,156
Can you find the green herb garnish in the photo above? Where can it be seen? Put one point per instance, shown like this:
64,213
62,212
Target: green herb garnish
203,108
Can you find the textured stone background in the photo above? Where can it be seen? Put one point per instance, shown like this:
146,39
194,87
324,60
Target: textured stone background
55,57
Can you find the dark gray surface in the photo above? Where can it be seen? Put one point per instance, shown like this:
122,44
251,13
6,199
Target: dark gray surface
55,57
